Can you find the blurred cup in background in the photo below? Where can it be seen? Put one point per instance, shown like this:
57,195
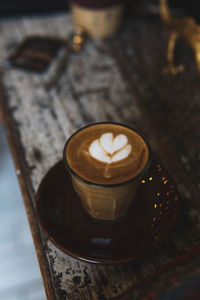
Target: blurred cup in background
99,18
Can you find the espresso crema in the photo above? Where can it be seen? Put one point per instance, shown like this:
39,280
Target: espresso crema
107,153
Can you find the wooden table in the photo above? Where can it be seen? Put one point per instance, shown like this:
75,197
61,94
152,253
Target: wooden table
115,80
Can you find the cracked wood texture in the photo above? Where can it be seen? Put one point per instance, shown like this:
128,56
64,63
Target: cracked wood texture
114,80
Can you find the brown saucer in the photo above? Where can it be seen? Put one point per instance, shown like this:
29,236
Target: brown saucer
149,223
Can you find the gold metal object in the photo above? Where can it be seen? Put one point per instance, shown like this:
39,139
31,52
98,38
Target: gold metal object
184,29
78,39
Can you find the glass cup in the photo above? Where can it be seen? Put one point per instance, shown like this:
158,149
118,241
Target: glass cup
106,202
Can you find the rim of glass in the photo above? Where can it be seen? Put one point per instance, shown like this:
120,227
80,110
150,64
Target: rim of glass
101,184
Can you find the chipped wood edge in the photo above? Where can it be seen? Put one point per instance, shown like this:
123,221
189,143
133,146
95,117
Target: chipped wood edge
27,191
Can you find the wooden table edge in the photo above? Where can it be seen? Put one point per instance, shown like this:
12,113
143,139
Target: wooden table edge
27,191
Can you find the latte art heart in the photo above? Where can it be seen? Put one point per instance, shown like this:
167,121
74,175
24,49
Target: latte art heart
108,149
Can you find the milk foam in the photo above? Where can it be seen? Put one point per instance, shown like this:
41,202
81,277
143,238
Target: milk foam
108,149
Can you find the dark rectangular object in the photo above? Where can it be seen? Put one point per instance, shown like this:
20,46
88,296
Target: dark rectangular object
35,53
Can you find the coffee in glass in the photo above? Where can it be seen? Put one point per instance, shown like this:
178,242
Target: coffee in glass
106,162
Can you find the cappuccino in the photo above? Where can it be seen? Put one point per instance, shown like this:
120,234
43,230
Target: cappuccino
105,161
107,153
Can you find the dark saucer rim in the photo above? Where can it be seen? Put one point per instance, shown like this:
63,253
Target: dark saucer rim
97,260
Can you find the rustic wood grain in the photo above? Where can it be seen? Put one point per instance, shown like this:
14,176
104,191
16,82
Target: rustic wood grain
117,80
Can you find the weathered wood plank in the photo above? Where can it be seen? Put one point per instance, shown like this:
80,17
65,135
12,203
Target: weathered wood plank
118,80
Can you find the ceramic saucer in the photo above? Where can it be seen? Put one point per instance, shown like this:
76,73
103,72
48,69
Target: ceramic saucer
149,223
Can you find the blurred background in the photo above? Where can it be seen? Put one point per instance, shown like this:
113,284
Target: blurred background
12,7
